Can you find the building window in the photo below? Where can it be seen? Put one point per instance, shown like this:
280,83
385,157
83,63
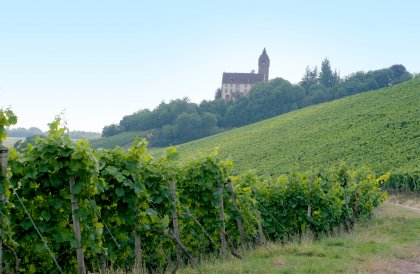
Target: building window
227,97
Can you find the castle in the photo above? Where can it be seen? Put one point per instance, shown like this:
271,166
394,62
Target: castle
236,84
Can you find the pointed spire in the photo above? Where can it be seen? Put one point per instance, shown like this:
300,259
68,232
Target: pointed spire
264,58
263,65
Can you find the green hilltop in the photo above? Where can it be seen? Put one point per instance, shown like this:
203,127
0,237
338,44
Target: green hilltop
379,129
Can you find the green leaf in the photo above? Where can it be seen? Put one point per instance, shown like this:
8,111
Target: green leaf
119,191
32,268
46,215
57,203
77,188
114,172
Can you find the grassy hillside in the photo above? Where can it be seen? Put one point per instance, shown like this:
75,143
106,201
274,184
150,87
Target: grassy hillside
122,139
380,129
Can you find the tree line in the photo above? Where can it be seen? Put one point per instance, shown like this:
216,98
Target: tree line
181,121
22,132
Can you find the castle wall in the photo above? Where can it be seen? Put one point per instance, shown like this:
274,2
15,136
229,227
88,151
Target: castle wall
231,91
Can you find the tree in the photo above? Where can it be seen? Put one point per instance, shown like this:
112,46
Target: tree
218,94
326,76
309,78
400,74
111,130
186,125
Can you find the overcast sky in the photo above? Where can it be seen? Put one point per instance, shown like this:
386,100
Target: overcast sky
100,60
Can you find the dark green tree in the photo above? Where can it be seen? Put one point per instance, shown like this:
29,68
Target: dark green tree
309,78
218,94
111,130
326,76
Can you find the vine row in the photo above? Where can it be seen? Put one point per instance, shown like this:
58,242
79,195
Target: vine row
133,210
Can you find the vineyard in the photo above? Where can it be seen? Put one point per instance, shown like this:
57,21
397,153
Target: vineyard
67,207
379,129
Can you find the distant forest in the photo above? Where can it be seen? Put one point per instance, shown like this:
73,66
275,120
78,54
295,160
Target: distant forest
21,132
180,121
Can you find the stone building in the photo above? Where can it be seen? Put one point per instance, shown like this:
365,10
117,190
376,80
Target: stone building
236,84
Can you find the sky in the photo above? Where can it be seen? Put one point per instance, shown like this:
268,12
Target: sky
99,60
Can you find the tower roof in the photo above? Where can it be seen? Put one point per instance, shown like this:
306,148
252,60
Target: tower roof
264,58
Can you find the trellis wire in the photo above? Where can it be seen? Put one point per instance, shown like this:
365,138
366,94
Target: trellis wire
36,227
103,222
178,240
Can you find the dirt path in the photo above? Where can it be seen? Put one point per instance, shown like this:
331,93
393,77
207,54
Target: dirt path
404,206
407,265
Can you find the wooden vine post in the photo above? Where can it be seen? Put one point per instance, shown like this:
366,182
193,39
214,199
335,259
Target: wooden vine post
137,245
4,155
175,225
222,219
260,229
102,263
81,269
238,219
311,182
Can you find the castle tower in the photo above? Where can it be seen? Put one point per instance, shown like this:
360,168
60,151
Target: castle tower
263,65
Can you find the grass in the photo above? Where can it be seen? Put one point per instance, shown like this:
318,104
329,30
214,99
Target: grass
388,243
360,130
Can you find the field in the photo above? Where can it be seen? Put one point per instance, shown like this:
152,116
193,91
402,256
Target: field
10,141
380,129
388,243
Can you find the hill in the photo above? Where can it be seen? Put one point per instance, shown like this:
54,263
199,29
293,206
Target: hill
122,139
380,129
181,120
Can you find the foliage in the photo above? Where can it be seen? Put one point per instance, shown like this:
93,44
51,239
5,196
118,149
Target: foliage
199,184
41,176
7,118
124,193
125,203
327,77
404,180
111,130
23,143
265,100
317,201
